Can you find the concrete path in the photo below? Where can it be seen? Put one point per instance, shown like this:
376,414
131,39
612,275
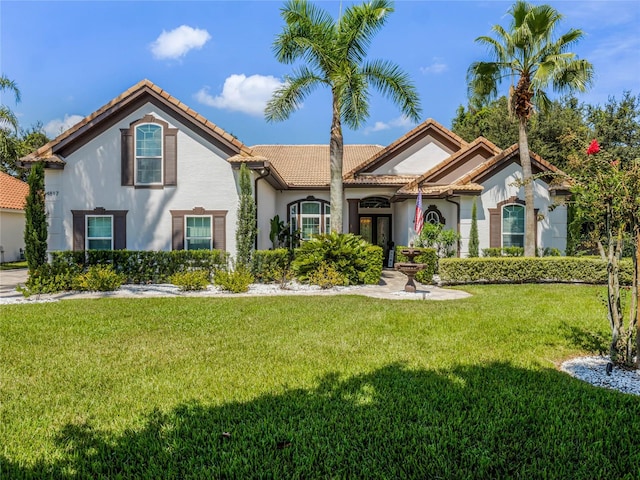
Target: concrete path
391,286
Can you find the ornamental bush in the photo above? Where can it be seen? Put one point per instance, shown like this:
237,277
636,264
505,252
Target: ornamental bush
529,270
99,278
191,281
352,257
271,265
234,281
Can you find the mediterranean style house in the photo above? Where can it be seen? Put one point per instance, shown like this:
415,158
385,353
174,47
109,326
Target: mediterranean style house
13,197
146,172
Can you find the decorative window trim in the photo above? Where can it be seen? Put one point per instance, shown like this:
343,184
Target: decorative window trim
431,211
495,221
118,227
375,201
218,227
295,215
169,154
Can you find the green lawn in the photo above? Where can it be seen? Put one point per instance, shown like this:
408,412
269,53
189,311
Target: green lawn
312,387
13,265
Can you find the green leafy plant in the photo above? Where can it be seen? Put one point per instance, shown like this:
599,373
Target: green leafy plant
444,241
474,241
326,276
99,278
234,281
35,228
246,228
191,281
50,279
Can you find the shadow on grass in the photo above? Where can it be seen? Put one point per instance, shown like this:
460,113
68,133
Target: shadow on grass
491,421
586,340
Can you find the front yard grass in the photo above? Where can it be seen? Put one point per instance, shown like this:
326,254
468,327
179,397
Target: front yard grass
312,387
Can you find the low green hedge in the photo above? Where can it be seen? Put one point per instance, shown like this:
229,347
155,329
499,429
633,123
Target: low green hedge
270,265
428,256
145,266
529,270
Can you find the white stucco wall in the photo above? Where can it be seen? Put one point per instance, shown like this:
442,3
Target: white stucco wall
267,209
416,160
91,178
11,234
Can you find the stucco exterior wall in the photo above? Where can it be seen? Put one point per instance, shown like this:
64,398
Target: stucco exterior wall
11,234
91,179
415,160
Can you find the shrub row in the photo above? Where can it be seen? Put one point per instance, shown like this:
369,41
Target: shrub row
144,266
529,270
428,256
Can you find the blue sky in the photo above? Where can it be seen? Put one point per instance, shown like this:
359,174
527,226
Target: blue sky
70,58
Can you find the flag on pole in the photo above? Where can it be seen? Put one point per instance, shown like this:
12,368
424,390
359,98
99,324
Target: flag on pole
419,218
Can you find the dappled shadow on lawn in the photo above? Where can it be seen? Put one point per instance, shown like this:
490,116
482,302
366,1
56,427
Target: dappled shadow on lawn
585,339
490,421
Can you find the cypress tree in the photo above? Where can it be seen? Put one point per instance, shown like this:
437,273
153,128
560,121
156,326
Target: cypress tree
35,230
246,229
474,242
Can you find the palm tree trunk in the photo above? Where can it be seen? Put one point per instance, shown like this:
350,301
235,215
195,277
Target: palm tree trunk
336,150
527,177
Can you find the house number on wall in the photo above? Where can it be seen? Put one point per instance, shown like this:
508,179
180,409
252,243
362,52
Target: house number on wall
51,194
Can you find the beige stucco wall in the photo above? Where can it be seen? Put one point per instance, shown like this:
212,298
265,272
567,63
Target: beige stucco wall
11,234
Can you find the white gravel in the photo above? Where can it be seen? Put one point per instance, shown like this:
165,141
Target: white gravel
594,371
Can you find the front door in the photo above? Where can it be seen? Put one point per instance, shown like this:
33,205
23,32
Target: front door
376,229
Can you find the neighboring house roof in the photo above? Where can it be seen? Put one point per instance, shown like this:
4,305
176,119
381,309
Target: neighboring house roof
13,192
53,153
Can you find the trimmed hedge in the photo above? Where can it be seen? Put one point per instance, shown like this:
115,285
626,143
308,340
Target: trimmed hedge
270,265
145,266
529,270
429,256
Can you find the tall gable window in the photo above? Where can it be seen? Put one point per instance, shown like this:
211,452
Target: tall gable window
513,226
148,162
311,217
149,151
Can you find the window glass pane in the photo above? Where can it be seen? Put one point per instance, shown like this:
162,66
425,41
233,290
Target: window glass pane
513,241
199,227
149,170
513,226
198,244
310,208
99,227
99,244
327,209
310,226
366,228
149,141
327,224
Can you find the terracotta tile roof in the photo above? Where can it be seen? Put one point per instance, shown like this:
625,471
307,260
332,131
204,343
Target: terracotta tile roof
398,145
47,152
308,165
438,190
13,192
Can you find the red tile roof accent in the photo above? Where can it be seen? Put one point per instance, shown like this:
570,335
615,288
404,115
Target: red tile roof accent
13,192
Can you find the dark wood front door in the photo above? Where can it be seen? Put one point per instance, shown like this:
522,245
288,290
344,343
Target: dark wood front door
376,229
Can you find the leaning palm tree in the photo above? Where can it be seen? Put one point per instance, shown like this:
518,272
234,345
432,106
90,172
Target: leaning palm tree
334,53
529,53
6,115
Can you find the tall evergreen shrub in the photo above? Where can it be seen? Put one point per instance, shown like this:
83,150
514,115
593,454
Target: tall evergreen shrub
246,229
474,242
35,230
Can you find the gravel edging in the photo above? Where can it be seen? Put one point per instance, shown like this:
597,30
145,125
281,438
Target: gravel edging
593,370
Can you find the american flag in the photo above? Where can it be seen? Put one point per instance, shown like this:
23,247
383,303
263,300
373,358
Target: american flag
419,218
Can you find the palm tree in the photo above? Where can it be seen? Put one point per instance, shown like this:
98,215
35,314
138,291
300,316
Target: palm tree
529,52
334,55
6,115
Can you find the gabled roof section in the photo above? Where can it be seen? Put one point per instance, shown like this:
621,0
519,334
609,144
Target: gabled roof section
479,150
53,153
429,126
13,192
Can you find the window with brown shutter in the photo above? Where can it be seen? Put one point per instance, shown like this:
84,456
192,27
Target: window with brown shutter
119,227
218,227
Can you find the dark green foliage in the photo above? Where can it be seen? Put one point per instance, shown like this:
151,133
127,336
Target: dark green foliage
326,276
428,256
503,252
99,278
191,280
271,265
246,229
234,281
147,266
54,278
474,241
351,256
529,270
35,229
374,258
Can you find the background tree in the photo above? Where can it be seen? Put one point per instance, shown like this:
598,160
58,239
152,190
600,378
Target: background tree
528,52
333,52
246,229
15,145
474,241
35,229
7,117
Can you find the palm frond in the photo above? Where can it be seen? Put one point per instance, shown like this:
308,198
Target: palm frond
288,98
354,100
7,117
6,84
358,26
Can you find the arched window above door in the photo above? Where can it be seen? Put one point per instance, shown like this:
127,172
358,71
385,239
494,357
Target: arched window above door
434,216
375,202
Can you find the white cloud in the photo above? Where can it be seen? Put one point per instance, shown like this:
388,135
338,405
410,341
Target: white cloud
56,126
178,42
242,94
436,67
401,121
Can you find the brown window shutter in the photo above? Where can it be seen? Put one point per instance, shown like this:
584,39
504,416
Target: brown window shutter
219,234
120,230
127,152
78,229
171,156
177,232
495,228
354,218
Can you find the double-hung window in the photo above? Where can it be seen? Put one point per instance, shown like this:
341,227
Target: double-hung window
198,233
513,226
310,217
148,161
99,232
